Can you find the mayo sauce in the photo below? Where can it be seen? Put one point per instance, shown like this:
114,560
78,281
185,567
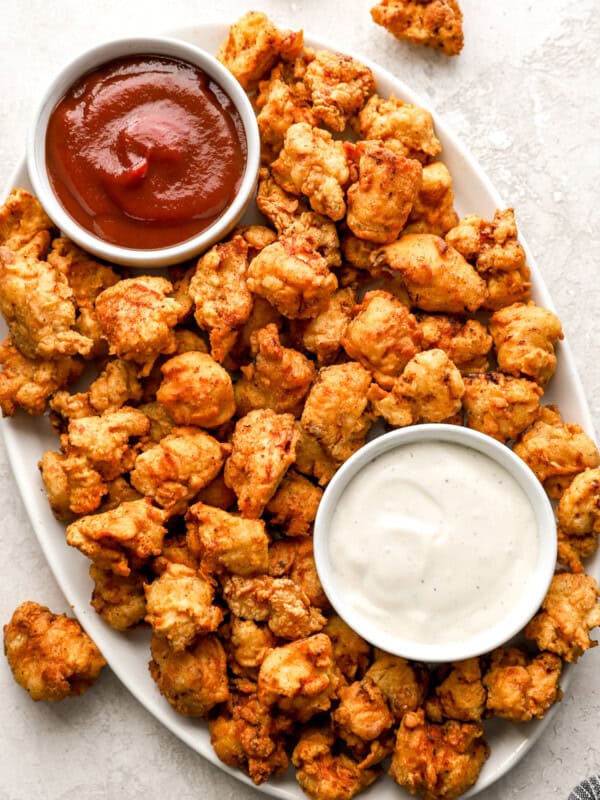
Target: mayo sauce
432,542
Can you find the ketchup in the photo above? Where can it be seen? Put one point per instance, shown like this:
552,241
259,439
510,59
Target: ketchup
145,151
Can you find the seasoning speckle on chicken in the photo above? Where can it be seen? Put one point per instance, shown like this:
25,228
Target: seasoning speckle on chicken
432,23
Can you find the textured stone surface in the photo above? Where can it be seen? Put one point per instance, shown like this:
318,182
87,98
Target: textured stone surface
524,96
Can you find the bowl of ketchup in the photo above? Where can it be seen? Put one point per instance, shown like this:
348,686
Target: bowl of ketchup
144,151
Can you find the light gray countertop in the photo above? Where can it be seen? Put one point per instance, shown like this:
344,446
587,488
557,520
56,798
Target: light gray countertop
525,98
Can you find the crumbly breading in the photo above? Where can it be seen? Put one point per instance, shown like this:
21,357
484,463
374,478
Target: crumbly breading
120,600
311,458
322,334
466,343
433,23
350,651
578,516
281,104
294,505
295,560
500,405
404,128
24,225
72,485
460,694
403,683
433,209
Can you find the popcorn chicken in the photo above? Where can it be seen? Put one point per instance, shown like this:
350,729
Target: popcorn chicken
506,288
322,334
433,209
489,246
436,276
467,344
24,225
460,694
569,612
335,412
402,127
382,192
351,653
295,560
120,600
433,23
520,688
578,515
281,104
524,335
499,405
311,458
249,642
50,655
362,719
72,485
404,684
294,505
313,164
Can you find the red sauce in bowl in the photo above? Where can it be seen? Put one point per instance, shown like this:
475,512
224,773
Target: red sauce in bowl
145,151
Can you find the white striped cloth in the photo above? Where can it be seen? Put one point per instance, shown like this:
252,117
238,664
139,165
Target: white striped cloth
589,789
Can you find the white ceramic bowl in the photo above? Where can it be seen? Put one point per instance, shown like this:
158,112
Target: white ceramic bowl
86,62
521,606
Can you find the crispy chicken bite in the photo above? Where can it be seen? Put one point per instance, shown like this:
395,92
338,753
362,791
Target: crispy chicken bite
460,694
249,643
569,612
27,383
323,774
499,405
556,451
294,505
300,678
311,458
173,471
335,412
433,210
227,542
254,45
429,390
192,680
292,277
382,192
403,683
72,485
437,762
578,515
221,298
491,246
363,720
137,318
37,304
467,344
404,128
295,560
520,688
436,276
322,334
24,225
383,336
351,653
280,103
263,447
313,164
433,23
196,390
339,86
179,606
524,335
121,538
50,655
279,377
120,600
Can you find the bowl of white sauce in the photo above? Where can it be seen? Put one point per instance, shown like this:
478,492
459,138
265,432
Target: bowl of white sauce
435,542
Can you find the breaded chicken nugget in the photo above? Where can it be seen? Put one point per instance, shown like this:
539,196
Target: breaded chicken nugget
460,693
296,560
433,23
578,515
403,683
433,209
294,505
119,599
72,485
351,653
24,225
467,344
404,128
500,405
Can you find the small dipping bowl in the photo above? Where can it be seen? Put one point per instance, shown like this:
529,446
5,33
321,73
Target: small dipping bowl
376,551
87,63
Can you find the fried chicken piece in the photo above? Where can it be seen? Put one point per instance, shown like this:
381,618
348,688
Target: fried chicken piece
433,210
119,491
402,127
294,505
467,344
491,246
192,680
384,186
520,688
436,276
351,653
311,458
221,297
403,683
429,390
556,451
339,87
254,45
324,775
120,600
263,447
179,606
196,390
507,288
217,494
499,405
358,255
524,335
249,642
173,471
24,225
300,678
72,485
248,736
137,318
279,378
363,719
322,334
161,422
295,560
27,383
437,762
335,412
383,336
578,515
313,164
226,542
280,602
460,694
121,538
262,314
37,304
50,655
569,611
432,23
293,277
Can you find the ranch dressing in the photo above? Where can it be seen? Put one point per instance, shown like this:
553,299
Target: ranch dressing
432,542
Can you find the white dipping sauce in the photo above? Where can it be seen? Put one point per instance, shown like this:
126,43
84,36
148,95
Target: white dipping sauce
432,542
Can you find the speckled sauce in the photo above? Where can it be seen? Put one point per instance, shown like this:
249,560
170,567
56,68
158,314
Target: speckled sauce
441,551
